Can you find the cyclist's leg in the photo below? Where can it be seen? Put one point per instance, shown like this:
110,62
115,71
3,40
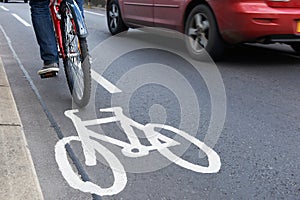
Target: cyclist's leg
43,28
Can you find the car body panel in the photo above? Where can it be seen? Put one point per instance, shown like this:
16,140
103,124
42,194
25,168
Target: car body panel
238,20
166,13
138,11
256,20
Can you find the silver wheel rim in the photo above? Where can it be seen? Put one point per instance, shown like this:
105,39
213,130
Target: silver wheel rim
74,60
198,32
114,17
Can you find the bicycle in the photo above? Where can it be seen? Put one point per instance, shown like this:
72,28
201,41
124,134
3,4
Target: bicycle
134,148
71,33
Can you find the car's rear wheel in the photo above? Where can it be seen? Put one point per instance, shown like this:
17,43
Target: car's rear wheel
114,19
203,34
296,47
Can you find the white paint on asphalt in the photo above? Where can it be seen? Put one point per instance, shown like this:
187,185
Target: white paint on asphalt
134,149
3,8
105,83
93,13
291,55
119,174
21,20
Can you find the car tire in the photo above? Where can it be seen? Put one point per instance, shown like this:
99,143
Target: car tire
5,1
203,34
296,47
25,1
115,22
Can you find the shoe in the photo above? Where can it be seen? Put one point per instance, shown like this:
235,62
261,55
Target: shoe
53,67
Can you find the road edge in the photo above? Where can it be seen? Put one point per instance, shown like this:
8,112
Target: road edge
19,176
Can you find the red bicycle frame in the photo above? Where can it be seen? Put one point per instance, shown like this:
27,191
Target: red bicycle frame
77,21
56,17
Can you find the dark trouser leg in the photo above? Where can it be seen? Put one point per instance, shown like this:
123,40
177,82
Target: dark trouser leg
43,28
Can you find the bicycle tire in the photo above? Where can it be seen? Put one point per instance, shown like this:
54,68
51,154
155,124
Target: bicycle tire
77,68
213,158
74,180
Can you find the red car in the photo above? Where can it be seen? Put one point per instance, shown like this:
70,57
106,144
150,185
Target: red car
212,23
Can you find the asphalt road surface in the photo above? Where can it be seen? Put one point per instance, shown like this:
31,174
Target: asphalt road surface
246,109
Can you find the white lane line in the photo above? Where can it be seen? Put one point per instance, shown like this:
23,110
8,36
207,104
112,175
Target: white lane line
93,13
111,88
291,55
21,20
3,8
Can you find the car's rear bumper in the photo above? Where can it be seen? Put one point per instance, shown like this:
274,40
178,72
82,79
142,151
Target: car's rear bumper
258,22
281,38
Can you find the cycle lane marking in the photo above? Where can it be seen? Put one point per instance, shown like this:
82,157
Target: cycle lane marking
17,17
4,8
119,173
21,20
292,56
93,13
111,88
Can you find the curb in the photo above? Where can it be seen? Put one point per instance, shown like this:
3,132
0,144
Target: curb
18,175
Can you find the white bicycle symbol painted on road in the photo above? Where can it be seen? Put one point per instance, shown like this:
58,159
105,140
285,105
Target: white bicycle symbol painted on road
134,148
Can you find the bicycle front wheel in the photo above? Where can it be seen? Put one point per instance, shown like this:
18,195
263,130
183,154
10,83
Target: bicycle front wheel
76,62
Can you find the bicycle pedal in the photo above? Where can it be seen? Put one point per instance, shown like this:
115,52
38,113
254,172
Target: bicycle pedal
48,75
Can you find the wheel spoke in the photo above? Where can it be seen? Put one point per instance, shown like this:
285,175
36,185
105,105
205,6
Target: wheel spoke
195,43
198,19
205,25
112,23
111,14
203,40
78,85
77,77
192,31
115,23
